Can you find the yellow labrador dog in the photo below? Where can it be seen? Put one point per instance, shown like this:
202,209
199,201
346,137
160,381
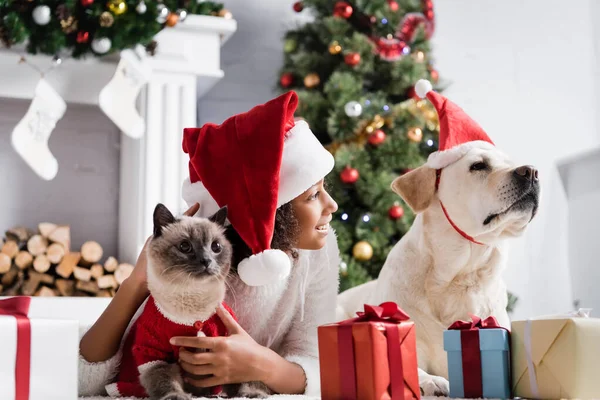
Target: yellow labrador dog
450,262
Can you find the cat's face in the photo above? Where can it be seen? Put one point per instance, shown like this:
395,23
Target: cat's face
189,250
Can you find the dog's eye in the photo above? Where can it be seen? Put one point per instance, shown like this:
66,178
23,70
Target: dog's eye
185,246
216,247
478,166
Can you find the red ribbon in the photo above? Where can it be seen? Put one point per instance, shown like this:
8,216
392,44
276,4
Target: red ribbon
18,307
389,314
471,352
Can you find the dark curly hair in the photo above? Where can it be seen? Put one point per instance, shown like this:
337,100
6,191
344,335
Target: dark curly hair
285,236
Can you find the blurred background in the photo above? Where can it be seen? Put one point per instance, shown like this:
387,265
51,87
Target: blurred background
526,71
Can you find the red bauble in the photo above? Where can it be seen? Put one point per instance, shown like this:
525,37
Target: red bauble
342,9
434,75
352,59
298,6
83,37
377,137
393,5
87,3
396,212
286,79
349,175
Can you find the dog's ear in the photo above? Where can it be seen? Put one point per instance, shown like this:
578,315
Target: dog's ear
417,188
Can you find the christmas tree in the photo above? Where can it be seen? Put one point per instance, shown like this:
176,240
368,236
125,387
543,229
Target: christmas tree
354,68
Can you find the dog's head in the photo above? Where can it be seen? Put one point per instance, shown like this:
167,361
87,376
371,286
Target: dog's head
484,193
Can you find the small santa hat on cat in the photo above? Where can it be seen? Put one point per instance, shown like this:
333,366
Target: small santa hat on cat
253,163
458,132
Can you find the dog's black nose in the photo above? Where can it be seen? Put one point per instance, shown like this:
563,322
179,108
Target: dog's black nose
527,172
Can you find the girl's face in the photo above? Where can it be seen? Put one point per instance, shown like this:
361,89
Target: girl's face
313,210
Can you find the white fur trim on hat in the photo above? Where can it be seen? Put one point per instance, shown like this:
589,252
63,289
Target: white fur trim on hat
196,193
304,162
264,268
422,87
441,159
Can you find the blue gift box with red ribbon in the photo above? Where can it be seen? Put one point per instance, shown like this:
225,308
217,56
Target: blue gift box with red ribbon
478,359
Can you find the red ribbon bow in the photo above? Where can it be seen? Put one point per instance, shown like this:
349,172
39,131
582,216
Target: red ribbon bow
385,312
18,307
476,323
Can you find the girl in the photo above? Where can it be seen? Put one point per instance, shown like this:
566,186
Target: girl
268,169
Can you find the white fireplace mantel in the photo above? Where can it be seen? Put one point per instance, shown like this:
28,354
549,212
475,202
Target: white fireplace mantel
185,67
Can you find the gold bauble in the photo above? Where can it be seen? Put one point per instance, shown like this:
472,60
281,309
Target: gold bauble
419,56
312,80
172,19
68,25
225,13
370,129
415,134
106,19
117,7
362,251
335,48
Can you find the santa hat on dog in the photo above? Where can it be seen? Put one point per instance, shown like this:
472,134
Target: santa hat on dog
458,132
253,163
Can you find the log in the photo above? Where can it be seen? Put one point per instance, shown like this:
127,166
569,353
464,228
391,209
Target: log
31,285
65,287
82,274
111,264
79,293
45,292
97,271
41,263
88,287
107,282
103,293
123,271
91,252
45,279
5,263
37,245
23,260
55,253
46,228
19,234
68,264
15,289
10,248
62,235
9,278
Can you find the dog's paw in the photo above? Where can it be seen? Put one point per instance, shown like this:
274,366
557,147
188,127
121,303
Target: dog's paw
176,396
432,385
253,390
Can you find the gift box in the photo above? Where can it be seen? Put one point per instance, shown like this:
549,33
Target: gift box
478,359
373,356
38,357
556,357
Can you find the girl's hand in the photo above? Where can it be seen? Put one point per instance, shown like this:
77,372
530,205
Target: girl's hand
236,358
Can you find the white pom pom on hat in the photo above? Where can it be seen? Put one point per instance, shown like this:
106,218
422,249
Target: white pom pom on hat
423,87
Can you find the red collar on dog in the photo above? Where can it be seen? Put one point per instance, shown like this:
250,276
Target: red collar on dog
438,174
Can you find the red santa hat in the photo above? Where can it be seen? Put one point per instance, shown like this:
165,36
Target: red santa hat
253,163
458,132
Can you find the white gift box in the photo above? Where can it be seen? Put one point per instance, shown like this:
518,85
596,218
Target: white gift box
54,353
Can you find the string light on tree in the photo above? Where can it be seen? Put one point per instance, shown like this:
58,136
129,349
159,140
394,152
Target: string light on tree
352,59
335,48
343,269
353,109
342,9
312,80
415,134
349,175
344,217
362,251
396,212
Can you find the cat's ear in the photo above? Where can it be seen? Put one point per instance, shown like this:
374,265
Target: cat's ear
219,217
162,218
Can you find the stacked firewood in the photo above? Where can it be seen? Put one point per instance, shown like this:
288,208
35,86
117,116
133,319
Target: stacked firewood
42,263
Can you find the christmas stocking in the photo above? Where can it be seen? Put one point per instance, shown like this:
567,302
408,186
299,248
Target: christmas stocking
30,136
117,98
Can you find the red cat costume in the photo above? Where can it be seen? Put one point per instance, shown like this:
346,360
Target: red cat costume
148,343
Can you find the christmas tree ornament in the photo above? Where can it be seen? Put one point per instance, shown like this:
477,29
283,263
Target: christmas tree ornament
101,45
342,10
396,212
298,6
118,98
393,5
349,175
151,47
352,59
415,134
286,79
377,137
117,7
335,48
225,13
391,48
408,27
69,25
41,15
419,56
30,137
172,20
82,37
290,45
362,251
182,14
312,80
353,109
435,76
163,13
141,8
106,19
87,3
343,269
